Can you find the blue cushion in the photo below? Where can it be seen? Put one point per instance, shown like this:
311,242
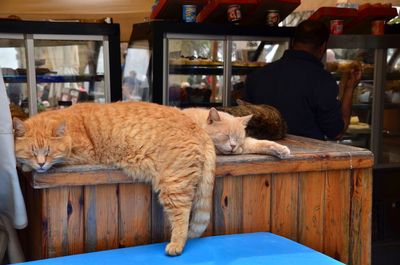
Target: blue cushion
253,248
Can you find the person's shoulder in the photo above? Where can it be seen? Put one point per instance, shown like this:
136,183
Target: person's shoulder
327,76
270,67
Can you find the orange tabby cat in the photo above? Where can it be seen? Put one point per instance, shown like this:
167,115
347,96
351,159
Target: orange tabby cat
229,135
149,142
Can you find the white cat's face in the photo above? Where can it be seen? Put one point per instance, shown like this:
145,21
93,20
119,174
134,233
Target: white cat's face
227,132
227,142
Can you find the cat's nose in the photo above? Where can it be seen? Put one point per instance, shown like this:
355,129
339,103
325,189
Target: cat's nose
233,146
41,165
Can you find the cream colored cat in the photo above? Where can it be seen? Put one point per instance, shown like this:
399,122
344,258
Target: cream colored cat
149,142
229,135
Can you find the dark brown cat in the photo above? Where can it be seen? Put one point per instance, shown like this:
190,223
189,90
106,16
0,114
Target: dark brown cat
266,123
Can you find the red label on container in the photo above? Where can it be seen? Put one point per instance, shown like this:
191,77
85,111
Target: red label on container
234,14
336,27
378,27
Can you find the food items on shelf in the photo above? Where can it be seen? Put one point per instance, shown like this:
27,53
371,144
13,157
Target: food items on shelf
355,124
367,68
359,126
239,63
344,66
354,120
193,60
332,66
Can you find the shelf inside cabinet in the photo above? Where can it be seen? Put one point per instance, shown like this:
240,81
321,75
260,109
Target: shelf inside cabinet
391,134
362,106
370,76
208,70
195,69
392,105
216,11
364,77
367,106
54,78
358,131
172,9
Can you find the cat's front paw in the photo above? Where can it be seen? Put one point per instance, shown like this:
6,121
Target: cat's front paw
282,151
174,249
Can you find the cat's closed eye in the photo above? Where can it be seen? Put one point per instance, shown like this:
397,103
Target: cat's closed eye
222,137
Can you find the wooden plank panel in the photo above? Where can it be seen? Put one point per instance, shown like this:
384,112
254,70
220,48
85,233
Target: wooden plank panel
256,203
284,201
226,166
56,203
160,227
101,217
134,214
84,177
337,209
228,206
313,163
75,216
37,221
361,209
366,215
311,209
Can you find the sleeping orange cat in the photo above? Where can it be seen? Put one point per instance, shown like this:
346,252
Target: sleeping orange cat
150,142
229,133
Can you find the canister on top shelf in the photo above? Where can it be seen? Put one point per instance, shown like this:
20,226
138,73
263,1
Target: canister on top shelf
378,27
336,27
273,18
234,14
189,13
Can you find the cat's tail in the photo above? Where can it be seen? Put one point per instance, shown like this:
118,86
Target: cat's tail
202,203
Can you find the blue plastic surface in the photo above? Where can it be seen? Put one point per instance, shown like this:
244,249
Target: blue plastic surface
253,248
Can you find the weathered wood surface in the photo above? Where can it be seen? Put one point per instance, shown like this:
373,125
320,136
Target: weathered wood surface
306,155
320,197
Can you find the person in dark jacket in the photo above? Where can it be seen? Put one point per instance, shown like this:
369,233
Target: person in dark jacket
302,90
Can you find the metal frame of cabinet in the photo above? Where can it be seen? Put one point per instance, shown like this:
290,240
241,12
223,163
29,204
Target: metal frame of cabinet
380,44
159,32
29,31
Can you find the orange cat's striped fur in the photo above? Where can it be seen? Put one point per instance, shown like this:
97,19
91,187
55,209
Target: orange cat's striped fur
149,142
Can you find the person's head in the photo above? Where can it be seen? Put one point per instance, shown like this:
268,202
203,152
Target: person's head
311,36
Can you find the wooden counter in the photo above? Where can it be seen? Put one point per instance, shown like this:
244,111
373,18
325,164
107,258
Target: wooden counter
321,196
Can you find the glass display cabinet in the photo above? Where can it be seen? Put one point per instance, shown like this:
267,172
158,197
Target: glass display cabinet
196,64
376,105
49,65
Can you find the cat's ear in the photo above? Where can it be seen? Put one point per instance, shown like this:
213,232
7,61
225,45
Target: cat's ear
19,127
213,116
245,119
241,102
59,131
